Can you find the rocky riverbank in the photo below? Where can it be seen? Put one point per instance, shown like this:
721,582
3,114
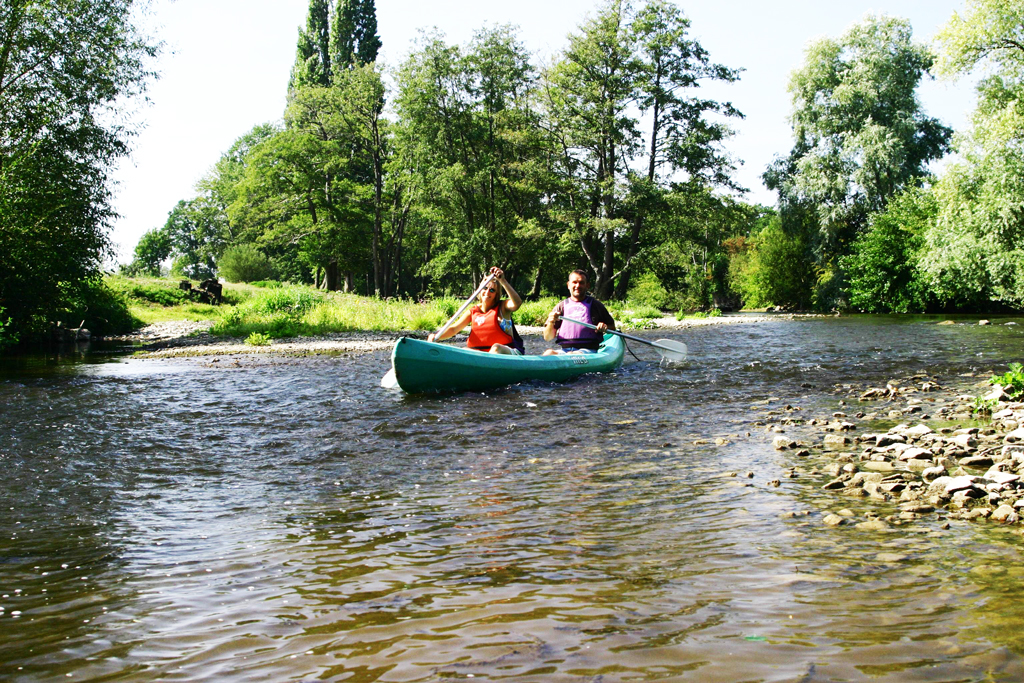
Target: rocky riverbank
953,454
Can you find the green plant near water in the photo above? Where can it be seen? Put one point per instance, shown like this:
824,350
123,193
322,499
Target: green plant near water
258,339
1012,382
713,313
983,406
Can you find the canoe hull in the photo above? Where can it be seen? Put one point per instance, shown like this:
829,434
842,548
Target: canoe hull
422,367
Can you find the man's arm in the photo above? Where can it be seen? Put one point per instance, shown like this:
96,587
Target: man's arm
553,322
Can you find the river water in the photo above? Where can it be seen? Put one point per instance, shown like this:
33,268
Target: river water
289,519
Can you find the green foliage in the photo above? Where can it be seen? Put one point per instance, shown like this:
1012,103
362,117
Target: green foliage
162,295
775,270
244,263
882,271
973,256
648,291
100,308
8,337
258,339
1011,381
983,406
68,73
535,312
861,138
153,249
713,313
267,284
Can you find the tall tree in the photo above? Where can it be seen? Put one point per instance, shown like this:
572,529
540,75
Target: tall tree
467,128
973,253
861,136
354,38
68,69
614,167
313,52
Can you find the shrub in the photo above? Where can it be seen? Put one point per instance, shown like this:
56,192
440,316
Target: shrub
267,284
245,263
7,336
258,339
102,309
648,291
1012,382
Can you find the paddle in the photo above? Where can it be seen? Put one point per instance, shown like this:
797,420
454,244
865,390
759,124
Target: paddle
670,350
389,380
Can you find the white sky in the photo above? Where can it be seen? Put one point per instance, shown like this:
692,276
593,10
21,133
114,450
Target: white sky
226,63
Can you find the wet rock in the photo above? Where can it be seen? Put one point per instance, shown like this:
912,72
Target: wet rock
917,431
1016,436
782,443
874,525
837,440
878,466
961,483
932,473
964,441
976,461
835,484
1005,514
861,478
833,520
774,483
917,508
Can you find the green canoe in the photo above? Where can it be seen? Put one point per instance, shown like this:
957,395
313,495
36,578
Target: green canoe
426,366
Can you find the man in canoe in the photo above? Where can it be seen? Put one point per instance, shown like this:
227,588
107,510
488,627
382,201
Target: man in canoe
492,329
573,338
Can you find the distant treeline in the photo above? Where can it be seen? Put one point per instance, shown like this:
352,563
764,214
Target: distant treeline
411,181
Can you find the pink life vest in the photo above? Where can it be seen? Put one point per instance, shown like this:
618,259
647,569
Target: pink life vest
571,334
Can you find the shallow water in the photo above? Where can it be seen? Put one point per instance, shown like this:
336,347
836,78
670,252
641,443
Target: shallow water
291,520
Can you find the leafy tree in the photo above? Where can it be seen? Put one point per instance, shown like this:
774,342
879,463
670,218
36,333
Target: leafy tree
973,251
195,231
153,249
354,38
469,134
776,271
68,68
313,52
244,263
610,177
883,271
860,135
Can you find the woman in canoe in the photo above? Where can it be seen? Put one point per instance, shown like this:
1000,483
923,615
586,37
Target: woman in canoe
492,329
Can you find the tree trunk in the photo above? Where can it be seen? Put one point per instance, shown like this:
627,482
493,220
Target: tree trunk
331,276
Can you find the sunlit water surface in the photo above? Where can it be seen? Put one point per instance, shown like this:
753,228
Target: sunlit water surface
291,520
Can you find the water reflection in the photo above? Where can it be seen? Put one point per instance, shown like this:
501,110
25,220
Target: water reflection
290,519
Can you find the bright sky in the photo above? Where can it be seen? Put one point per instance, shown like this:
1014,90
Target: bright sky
226,63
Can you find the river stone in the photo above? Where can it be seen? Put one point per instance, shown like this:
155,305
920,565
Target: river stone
874,525
1015,436
1002,477
917,508
890,557
961,483
963,441
883,440
976,461
917,431
861,477
1005,513
932,473
834,520
881,466
781,443
984,513
997,394
919,465
837,440
835,484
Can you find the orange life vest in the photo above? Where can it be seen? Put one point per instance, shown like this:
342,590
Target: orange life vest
486,329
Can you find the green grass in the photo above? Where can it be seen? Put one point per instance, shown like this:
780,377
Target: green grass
283,310
713,313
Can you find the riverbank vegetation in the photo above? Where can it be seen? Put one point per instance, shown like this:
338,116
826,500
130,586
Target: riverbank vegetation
406,182
275,310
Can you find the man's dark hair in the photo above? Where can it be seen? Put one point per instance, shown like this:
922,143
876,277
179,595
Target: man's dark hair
581,273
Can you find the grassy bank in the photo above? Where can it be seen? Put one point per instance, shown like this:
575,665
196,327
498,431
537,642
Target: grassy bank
279,311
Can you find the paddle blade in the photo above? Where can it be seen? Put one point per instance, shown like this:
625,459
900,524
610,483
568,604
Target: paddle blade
389,380
673,351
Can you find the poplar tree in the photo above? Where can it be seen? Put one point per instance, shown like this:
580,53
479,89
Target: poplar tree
354,38
313,53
